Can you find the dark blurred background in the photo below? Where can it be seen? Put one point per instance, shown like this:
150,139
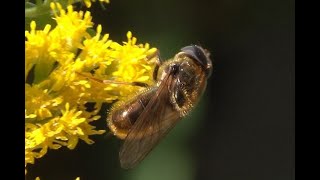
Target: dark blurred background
244,126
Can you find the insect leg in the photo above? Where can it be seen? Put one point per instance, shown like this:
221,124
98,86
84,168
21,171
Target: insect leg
158,64
141,84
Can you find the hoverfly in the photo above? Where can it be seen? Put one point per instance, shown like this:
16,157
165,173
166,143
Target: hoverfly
143,120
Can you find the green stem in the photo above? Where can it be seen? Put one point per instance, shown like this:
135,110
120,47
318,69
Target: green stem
40,9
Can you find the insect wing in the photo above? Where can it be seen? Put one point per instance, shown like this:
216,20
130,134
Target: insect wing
151,126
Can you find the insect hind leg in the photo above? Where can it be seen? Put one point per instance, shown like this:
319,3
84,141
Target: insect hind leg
140,84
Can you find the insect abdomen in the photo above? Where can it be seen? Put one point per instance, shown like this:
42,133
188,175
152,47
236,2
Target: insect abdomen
126,112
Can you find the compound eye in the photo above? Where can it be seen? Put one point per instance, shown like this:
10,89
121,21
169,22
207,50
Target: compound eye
196,53
201,56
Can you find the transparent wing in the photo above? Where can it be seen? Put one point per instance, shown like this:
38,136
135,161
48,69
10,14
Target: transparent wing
153,124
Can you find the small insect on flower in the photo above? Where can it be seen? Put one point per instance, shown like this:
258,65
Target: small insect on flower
144,119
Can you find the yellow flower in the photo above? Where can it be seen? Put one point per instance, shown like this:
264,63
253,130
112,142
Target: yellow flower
40,104
88,2
37,50
70,68
65,130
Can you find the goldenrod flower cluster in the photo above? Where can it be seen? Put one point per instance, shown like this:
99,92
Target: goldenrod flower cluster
62,65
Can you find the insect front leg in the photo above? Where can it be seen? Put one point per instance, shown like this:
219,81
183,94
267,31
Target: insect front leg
158,64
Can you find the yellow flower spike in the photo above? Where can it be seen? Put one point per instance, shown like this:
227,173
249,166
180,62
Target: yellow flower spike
105,38
147,45
59,7
69,8
71,26
115,46
33,27
47,28
37,50
87,3
44,112
134,41
55,111
129,35
95,52
99,29
53,6
143,78
73,141
30,116
151,51
95,118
